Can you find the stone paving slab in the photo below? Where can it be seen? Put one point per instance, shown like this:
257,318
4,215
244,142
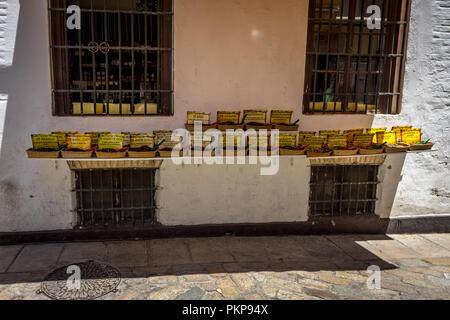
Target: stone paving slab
265,268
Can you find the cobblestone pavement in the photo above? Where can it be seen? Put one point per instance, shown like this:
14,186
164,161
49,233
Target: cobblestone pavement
292,267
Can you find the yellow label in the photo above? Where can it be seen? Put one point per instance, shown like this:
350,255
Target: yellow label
413,136
232,140
167,136
401,128
288,139
194,116
363,140
303,134
142,140
314,142
326,133
388,137
110,141
351,133
375,131
228,117
337,141
261,142
45,141
95,136
255,116
281,117
62,136
79,142
197,139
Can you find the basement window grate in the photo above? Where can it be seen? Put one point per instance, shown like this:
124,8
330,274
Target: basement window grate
115,197
343,190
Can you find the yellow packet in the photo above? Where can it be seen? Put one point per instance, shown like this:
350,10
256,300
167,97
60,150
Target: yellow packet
194,116
314,142
351,133
255,116
281,116
45,141
388,137
337,141
261,142
142,140
167,137
375,131
228,117
412,136
232,140
79,142
326,133
303,134
95,136
110,141
363,140
287,140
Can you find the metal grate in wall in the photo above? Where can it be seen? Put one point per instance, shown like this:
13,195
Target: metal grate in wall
115,197
343,190
118,63
356,56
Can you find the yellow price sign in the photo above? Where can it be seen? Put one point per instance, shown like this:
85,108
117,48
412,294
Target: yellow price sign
413,136
79,142
288,140
45,141
95,136
142,140
110,141
228,117
351,133
337,141
363,140
281,116
374,131
314,142
194,116
167,137
303,134
326,133
388,137
232,140
255,116
258,141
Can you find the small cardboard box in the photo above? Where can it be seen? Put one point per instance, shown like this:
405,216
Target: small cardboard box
42,154
88,108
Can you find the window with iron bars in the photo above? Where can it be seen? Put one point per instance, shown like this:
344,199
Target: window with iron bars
351,67
115,197
119,63
342,190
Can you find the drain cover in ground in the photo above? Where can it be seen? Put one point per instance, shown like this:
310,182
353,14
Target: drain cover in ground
96,280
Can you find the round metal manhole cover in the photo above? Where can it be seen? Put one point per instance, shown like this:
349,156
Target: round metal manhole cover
82,281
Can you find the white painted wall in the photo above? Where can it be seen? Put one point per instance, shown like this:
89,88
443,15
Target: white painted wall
229,54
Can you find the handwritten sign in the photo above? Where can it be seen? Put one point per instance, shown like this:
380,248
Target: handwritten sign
337,141
228,117
303,134
326,133
314,142
110,141
281,116
287,139
231,140
45,141
79,142
167,136
388,137
261,142
255,116
363,140
95,136
374,131
194,116
351,133
142,140
413,136
62,136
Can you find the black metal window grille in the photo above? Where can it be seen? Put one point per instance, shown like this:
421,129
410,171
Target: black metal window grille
349,67
115,197
120,61
341,190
